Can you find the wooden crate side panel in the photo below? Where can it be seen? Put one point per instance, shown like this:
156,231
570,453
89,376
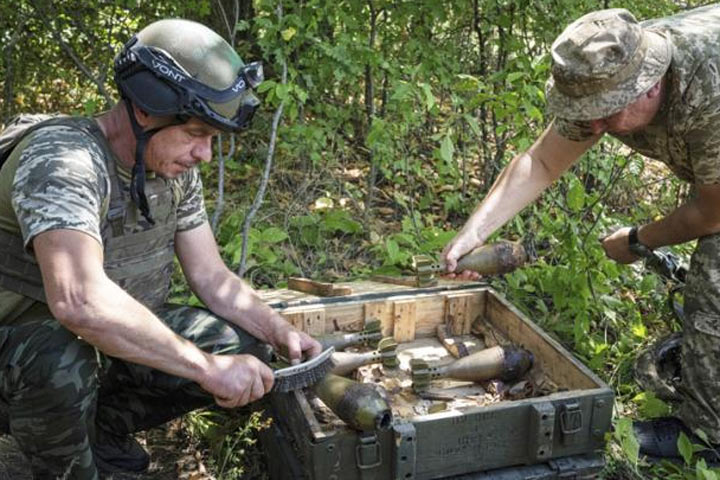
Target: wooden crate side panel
345,318
296,413
459,441
348,317
283,461
430,311
557,362
337,457
299,423
429,314
484,438
456,444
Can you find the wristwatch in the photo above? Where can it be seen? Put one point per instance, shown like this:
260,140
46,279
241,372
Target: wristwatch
636,246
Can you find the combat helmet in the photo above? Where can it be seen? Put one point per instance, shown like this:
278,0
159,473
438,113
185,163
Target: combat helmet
182,68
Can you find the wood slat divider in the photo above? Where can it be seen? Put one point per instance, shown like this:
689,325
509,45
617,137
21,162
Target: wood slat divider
381,311
309,321
404,319
458,315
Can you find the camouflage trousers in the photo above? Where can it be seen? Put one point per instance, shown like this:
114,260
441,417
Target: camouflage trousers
59,394
700,386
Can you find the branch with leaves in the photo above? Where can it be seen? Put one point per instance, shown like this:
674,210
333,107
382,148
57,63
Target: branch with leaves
54,29
257,202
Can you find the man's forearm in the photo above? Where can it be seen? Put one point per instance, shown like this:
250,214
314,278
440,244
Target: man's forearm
220,289
119,326
234,300
524,179
521,182
688,222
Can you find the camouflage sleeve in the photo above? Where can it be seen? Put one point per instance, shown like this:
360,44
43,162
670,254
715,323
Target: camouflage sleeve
574,130
191,206
703,134
61,183
703,141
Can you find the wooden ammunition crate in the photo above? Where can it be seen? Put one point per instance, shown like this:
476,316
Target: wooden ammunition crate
558,435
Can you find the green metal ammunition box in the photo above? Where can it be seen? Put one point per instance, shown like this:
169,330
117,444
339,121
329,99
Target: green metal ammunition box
559,435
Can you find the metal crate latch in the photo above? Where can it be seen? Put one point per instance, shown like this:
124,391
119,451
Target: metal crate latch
571,420
405,447
367,453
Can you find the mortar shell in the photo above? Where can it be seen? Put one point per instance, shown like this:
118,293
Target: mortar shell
504,363
346,362
495,258
369,335
359,405
491,259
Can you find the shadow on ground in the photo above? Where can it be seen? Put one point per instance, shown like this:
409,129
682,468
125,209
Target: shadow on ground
171,455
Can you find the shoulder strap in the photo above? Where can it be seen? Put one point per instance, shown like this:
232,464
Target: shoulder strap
19,271
23,125
16,129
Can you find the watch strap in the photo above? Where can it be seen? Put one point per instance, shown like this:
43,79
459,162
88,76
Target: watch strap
637,247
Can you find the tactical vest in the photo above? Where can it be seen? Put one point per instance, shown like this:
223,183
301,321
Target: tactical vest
138,256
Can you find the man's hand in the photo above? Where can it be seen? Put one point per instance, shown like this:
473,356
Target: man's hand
617,246
299,345
236,380
463,243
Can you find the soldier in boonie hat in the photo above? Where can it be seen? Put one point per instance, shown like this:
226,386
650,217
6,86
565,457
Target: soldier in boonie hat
655,86
602,62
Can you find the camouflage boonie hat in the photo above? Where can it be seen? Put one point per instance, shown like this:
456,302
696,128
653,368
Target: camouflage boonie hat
602,62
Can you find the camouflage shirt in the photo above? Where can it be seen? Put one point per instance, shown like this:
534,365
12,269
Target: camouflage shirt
57,178
685,134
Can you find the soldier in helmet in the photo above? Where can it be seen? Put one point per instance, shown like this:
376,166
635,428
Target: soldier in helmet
93,212
655,86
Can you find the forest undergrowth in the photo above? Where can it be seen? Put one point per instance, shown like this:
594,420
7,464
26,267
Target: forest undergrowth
389,121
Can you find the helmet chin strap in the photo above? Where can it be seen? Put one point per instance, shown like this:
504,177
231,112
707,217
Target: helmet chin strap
137,182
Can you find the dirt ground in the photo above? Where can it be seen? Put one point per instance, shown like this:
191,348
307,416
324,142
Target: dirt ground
172,458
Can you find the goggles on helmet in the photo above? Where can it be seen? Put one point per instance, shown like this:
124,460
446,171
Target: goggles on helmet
138,69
